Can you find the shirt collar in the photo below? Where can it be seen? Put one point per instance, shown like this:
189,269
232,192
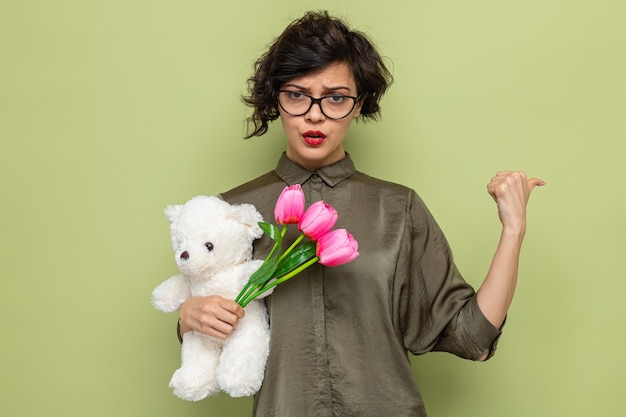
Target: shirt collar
292,173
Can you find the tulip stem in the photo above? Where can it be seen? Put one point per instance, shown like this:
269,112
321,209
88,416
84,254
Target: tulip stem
247,290
290,248
276,245
259,291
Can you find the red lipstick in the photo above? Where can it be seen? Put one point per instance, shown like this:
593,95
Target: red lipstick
314,137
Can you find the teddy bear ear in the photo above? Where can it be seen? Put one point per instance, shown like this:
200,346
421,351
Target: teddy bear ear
172,212
248,215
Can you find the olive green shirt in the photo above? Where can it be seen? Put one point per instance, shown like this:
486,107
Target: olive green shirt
340,335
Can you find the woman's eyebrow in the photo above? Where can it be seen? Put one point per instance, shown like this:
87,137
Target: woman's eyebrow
302,88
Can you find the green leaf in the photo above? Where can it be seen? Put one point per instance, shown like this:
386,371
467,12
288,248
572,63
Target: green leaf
297,257
265,271
267,268
272,231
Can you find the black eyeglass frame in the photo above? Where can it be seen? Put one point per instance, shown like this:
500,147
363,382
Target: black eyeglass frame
318,101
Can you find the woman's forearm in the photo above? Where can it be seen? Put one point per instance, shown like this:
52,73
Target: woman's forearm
496,292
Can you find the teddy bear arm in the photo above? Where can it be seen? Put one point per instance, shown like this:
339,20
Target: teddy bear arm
170,294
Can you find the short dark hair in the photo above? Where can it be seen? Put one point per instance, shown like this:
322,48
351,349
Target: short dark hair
307,45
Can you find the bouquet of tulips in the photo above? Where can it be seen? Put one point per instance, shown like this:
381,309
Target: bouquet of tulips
326,246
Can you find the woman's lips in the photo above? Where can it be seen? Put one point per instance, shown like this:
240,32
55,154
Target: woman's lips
314,137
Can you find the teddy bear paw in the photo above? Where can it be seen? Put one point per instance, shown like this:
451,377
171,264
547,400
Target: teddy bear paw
193,386
239,385
240,389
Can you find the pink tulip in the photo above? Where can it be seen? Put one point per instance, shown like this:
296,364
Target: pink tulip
290,205
336,248
317,220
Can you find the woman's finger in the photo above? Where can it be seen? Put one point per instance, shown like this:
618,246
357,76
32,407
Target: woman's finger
535,182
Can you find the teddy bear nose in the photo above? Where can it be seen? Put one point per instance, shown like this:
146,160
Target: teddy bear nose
184,255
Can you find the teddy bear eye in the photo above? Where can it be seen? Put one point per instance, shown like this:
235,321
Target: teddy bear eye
209,246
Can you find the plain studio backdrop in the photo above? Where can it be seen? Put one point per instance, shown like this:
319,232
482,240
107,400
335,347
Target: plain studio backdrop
110,110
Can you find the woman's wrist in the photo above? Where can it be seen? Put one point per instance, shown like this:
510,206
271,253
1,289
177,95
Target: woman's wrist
515,232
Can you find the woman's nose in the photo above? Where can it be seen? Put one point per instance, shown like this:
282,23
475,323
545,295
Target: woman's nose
315,113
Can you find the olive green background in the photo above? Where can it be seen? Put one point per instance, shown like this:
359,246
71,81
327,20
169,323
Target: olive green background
110,110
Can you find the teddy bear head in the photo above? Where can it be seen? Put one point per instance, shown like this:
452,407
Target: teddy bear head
210,235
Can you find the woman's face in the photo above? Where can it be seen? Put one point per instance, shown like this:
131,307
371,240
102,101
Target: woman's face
314,140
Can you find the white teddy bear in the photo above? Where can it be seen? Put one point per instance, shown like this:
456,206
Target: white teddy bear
212,242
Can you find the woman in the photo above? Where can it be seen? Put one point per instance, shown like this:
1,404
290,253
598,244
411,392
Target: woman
340,336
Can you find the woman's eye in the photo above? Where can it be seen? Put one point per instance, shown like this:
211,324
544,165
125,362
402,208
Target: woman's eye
209,246
336,99
295,95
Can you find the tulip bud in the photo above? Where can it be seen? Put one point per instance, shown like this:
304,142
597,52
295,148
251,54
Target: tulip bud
336,248
290,205
317,220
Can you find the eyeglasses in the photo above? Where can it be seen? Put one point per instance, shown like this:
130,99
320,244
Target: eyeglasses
335,106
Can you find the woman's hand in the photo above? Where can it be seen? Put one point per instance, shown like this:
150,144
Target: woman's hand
511,190
213,315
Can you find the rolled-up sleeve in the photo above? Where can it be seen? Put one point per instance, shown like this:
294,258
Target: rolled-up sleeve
437,308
